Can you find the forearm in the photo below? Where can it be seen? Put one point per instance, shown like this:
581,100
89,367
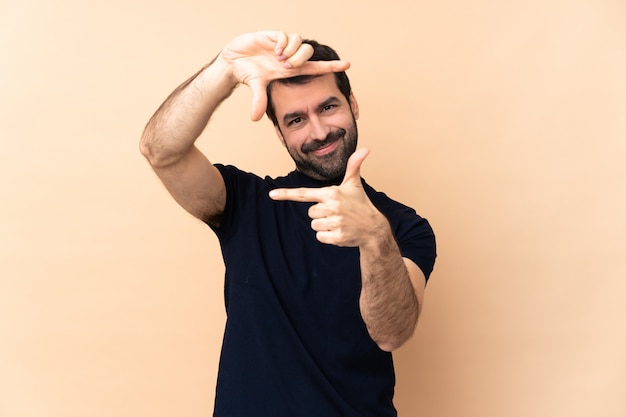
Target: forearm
173,129
389,305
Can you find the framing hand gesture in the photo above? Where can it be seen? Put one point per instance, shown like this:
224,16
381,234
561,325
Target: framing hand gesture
258,58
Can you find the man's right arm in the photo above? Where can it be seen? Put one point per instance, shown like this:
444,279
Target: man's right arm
253,59
168,141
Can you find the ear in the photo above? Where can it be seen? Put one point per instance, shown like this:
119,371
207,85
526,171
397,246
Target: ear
354,106
280,135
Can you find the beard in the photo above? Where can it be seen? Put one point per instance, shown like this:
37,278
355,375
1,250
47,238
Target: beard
331,166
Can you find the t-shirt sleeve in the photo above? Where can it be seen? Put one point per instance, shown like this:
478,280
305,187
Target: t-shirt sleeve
416,240
238,185
413,233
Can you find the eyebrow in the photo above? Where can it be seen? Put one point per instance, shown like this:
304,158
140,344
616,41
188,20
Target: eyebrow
300,113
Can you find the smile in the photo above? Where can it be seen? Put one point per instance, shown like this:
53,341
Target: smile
323,147
326,149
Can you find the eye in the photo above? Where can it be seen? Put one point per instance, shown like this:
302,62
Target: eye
329,107
295,121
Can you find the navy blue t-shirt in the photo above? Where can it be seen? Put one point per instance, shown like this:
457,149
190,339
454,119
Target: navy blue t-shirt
295,344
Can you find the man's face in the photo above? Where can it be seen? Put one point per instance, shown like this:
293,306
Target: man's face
317,125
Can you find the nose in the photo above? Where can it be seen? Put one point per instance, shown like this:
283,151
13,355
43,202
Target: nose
317,129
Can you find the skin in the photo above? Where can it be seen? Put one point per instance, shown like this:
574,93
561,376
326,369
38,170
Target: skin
312,115
392,286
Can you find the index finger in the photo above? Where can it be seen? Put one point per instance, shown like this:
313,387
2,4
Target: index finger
303,195
322,67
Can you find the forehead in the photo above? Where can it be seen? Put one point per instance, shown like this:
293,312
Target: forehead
288,98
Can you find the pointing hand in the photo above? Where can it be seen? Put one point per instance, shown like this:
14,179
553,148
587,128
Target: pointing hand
343,215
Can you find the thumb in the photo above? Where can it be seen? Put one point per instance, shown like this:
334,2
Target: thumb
259,100
353,168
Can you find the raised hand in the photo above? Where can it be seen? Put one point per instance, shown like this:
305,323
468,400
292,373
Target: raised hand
343,215
260,57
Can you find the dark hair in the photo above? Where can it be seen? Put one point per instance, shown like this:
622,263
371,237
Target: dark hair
320,53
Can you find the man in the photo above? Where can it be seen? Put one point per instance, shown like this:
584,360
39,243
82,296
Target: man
324,275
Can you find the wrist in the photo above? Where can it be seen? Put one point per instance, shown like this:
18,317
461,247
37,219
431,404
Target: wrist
380,239
219,72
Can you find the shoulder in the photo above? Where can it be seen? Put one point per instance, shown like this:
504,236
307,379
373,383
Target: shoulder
232,172
388,205
414,234
236,176
403,219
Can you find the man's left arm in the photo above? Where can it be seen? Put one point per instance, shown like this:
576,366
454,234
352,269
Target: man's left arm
392,289
392,286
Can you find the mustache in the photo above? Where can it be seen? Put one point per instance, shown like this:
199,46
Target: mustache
317,143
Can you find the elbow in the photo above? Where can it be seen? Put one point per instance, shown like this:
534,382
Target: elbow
146,147
155,154
393,343
391,338
388,347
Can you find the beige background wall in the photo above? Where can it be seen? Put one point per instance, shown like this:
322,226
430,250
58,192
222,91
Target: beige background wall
502,122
